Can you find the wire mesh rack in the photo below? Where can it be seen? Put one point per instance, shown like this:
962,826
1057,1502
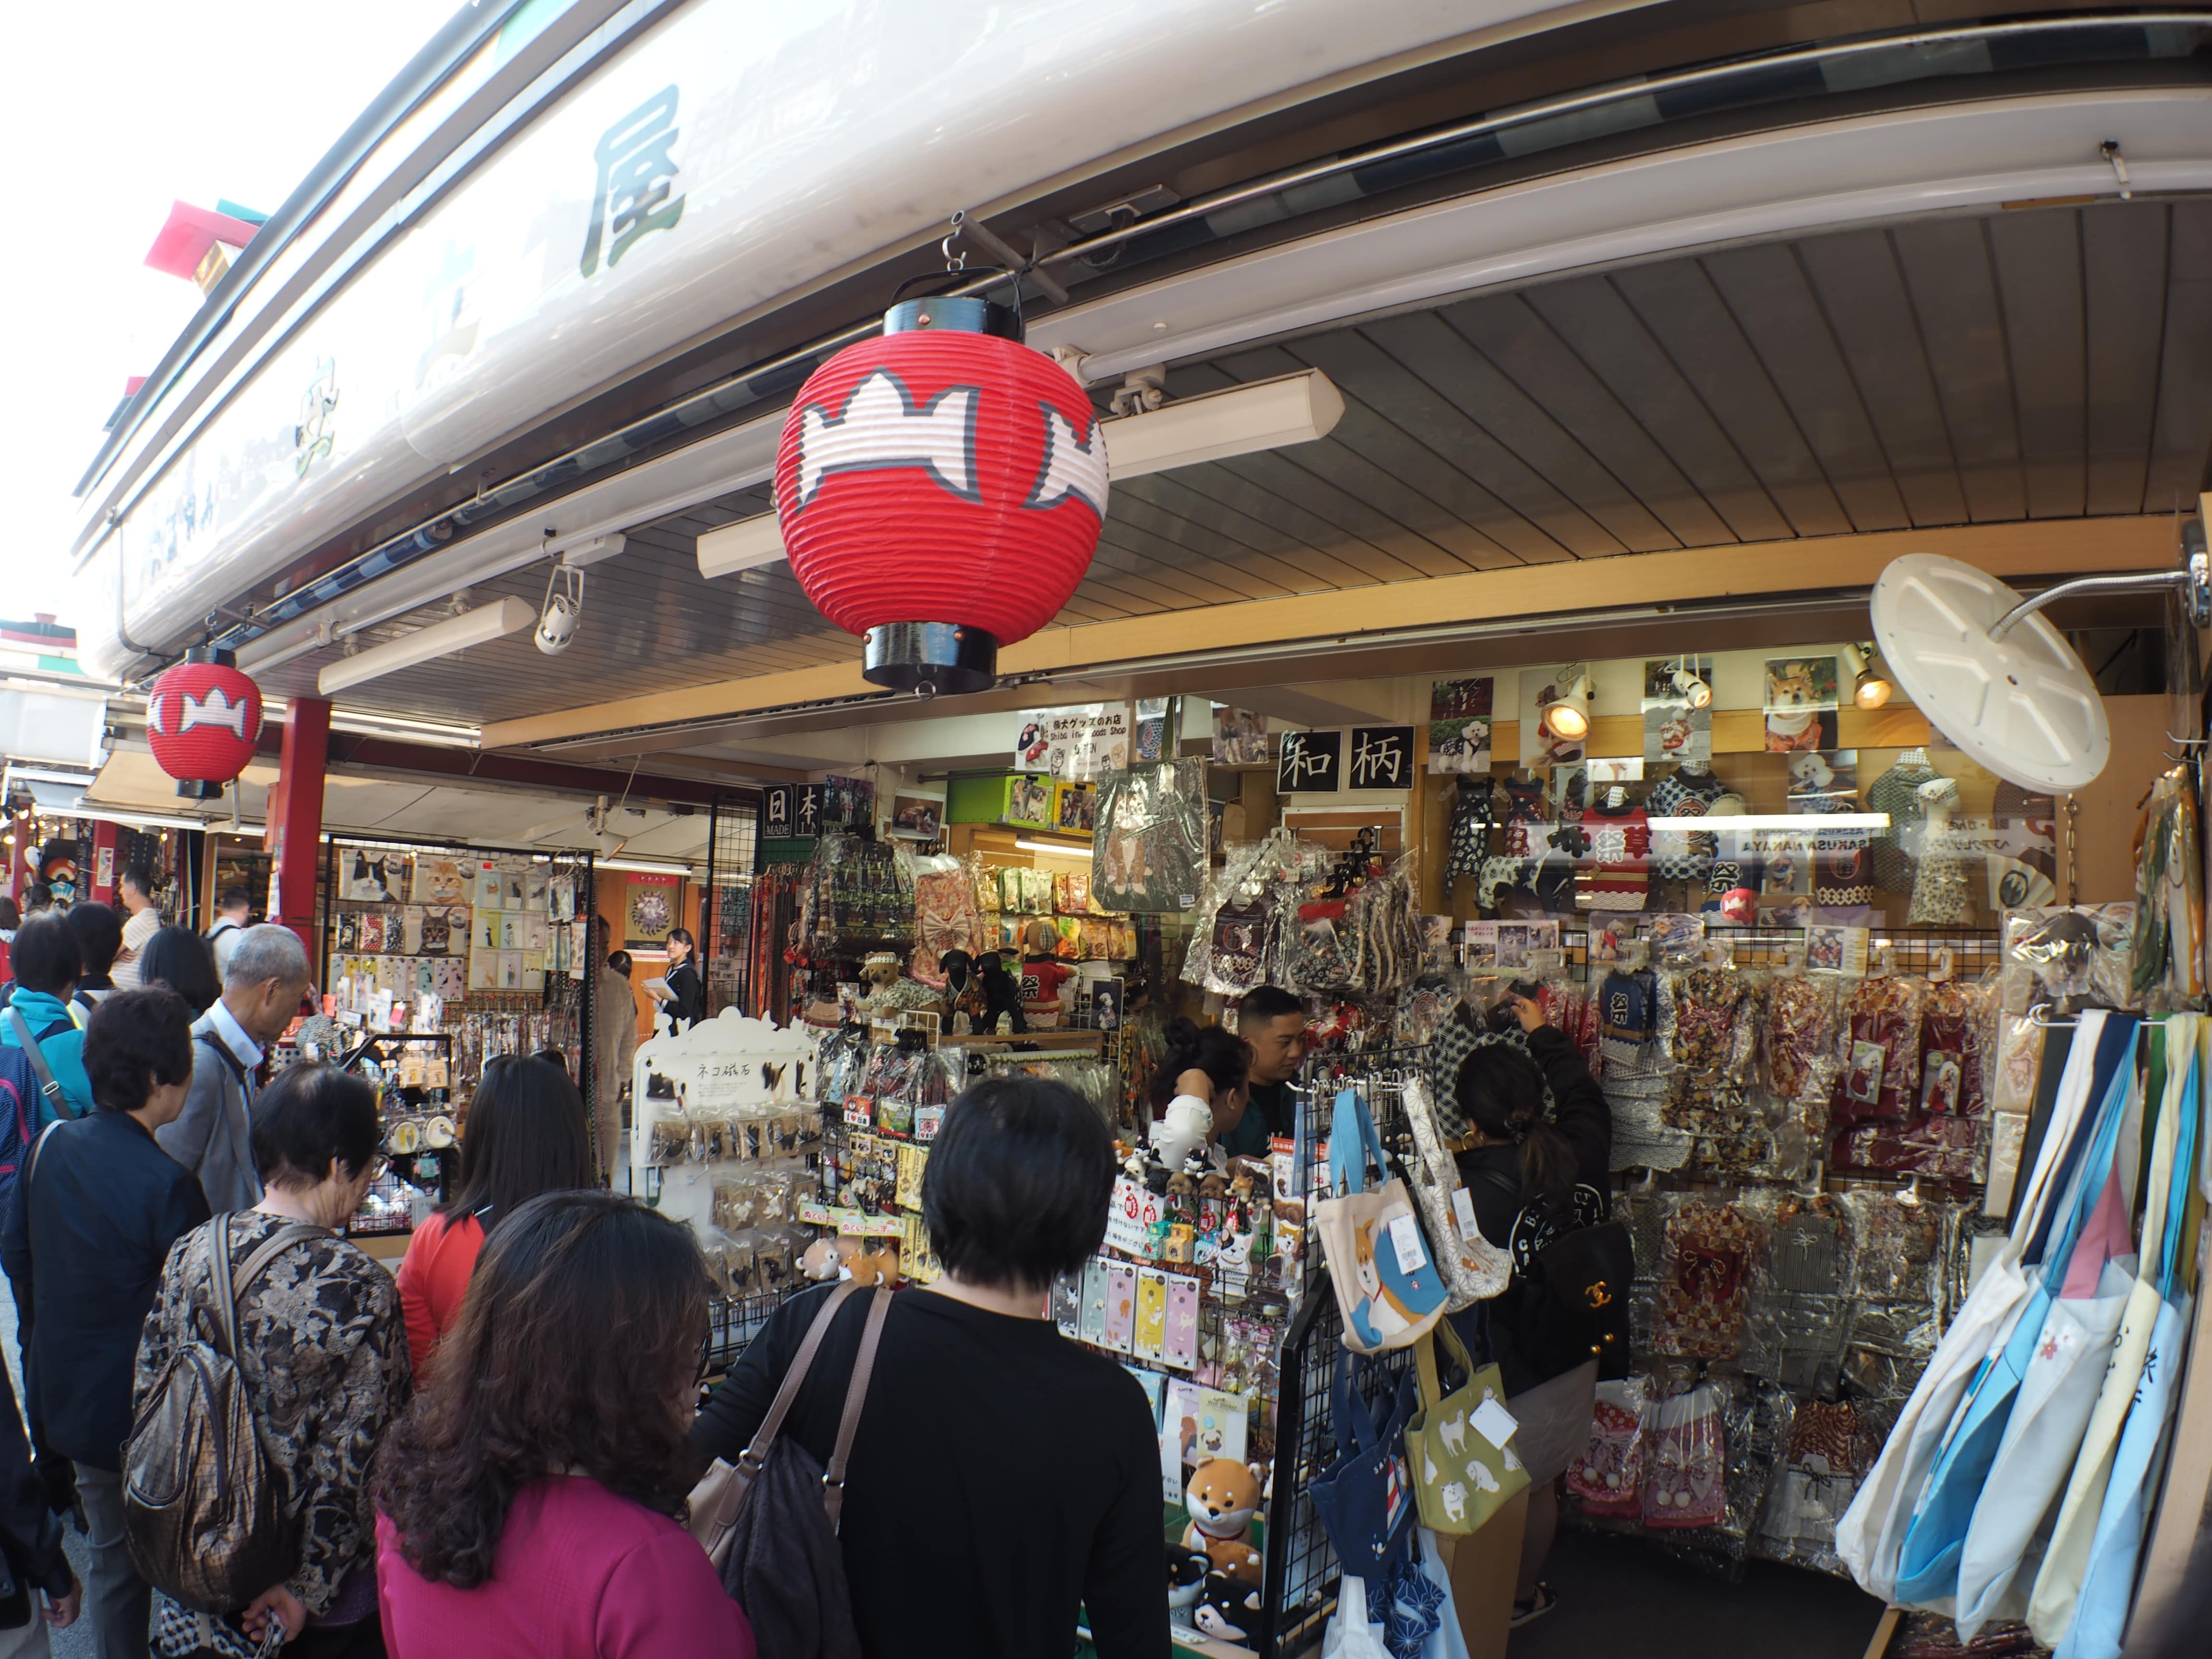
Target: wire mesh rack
732,850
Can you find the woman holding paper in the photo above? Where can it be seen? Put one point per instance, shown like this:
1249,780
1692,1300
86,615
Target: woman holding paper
681,997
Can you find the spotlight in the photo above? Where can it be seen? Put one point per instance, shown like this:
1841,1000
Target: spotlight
1570,716
563,609
1869,688
1693,690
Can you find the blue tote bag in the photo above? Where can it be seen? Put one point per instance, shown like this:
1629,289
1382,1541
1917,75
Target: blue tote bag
1365,1500
1927,1565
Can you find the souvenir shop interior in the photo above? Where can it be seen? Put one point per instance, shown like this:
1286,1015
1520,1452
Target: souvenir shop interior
1879,1029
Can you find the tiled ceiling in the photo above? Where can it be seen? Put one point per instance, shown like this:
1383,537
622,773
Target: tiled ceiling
2049,362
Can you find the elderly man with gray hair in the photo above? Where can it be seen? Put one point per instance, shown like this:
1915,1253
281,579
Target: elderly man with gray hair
214,1136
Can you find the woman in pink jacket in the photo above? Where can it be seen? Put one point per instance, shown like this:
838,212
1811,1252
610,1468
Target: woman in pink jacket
526,1497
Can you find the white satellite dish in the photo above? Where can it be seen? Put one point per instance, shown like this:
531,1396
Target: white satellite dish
1997,679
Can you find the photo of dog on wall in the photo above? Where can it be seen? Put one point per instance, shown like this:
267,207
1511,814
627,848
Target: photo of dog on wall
1800,704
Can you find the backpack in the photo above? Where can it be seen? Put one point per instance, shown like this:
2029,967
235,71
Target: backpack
203,1517
771,1524
19,1090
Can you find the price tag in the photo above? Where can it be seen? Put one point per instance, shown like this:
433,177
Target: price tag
1463,1212
1406,1239
1494,1423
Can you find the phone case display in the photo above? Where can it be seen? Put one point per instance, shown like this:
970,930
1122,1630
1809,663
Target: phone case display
1149,848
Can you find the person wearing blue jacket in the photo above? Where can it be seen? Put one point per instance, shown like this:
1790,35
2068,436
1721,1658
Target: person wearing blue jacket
47,965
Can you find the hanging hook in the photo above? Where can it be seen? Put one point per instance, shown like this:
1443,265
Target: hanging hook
955,261
2109,149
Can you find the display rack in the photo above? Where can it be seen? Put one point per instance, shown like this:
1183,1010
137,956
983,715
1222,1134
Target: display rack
732,854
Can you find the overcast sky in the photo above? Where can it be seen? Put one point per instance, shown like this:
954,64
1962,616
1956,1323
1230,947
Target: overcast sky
112,113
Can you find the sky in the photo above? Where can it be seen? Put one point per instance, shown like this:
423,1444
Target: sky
112,115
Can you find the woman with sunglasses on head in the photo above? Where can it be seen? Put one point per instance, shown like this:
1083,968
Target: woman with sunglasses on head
524,1499
525,1136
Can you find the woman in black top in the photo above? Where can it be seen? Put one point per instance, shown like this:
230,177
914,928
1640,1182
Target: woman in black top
1001,1475
684,1003
1531,1179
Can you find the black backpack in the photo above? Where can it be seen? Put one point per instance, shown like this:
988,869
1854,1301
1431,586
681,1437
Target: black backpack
1572,1293
776,1513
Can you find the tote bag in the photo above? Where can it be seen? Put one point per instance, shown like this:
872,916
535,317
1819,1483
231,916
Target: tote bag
2090,1279
2101,1611
2058,1585
1388,1284
1928,1561
1462,1475
1474,1269
1366,1499
1872,1532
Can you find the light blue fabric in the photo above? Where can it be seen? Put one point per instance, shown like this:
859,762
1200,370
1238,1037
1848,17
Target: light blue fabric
64,1051
1927,1565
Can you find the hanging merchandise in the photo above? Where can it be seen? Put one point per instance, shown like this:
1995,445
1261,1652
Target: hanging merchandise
1361,1498
1464,1463
1814,1485
2072,956
1685,1476
1878,1068
1236,943
203,720
2167,969
1474,1269
1709,1248
859,897
1797,1314
1942,889
1896,795
1149,853
1474,813
946,917
1608,1478
940,490
1390,1288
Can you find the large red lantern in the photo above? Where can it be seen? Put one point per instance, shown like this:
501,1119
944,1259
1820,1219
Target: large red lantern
204,719
940,491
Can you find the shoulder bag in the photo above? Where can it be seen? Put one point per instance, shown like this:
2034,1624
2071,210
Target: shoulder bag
203,1513
770,1521
47,1085
1365,1499
1460,1444
1474,1269
1388,1285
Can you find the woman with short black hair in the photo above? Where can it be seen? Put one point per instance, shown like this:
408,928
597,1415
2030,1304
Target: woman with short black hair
525,1136
1036,1487
98,932
322,1356
526,1496
1209,1065
180,959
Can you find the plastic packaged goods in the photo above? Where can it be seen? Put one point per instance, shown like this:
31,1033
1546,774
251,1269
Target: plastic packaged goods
1608,1478
2166,961
1685,1473
1705,1273
840,1060
1817,1477
1149,847
1797,1315
1712,1030
1879,1051
2077,956
1799,1034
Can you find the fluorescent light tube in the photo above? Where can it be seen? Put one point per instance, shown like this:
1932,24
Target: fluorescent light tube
643,867
745,545
1810,824
1053,846
477,627
1295,409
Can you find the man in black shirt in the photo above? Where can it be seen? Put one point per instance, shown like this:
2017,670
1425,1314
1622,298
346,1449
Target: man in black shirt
1273,1021
1001,1474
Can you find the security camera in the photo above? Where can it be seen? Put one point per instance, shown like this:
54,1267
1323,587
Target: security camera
563,609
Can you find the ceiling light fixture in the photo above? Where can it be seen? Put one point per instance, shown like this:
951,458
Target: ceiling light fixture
1293,409
477,627
1691,688
1052,847
1809,824
1870,690
644,867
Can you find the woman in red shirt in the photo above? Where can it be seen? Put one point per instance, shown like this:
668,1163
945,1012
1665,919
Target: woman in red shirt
524,1499
525,1136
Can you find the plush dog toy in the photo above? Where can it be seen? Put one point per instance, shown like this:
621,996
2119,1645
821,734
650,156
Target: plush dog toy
1187,1575
1223,1496
1228,1608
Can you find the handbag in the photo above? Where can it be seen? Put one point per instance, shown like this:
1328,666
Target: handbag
2058,1585
1388,1284
1474,1269
1870,1538
1927,1571
2088,1281
1460,1445
1366,1499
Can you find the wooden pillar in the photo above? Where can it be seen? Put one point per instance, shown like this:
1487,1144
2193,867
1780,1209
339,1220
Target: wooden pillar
100,871
296,818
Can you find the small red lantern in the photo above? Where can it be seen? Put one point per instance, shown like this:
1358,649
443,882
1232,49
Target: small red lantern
204,719
940,491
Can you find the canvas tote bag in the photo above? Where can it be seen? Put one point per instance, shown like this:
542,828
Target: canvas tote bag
1474,1269
1461,1474
1872,1532
2058,1585
1388,1284
2087,1283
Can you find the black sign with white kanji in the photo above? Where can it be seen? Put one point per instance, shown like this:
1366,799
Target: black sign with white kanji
1306,762
1381,757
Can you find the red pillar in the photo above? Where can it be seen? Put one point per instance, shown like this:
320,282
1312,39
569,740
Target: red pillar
21,871
99,872
295,834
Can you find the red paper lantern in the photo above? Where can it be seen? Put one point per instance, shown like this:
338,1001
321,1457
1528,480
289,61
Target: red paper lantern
940,491
204,719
